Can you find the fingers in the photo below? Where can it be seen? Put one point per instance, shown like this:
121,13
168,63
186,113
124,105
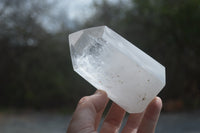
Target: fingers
113,119
88,113
133,123
151,116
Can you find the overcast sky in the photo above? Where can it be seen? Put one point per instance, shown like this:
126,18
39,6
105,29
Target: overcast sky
68,11
77,7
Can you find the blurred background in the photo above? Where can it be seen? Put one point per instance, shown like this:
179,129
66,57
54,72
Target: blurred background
38,87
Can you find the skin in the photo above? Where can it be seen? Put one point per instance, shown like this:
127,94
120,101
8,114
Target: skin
89,111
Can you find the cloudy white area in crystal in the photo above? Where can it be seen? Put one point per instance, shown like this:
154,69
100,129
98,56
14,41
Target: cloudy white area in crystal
130,77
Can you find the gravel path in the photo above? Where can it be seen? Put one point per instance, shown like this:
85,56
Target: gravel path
57,123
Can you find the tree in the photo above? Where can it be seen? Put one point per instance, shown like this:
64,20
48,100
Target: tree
35,70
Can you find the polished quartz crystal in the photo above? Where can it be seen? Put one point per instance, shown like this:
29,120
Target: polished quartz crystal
109,62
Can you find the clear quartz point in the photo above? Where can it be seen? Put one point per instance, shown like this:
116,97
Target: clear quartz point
130,77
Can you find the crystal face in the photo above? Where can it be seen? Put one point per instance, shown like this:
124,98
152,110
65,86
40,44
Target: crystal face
130,77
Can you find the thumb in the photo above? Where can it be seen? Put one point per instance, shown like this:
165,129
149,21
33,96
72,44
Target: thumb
87,113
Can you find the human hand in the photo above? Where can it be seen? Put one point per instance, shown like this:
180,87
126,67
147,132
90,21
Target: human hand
89,110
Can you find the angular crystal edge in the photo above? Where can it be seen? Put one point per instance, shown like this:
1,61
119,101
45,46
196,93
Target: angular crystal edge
74,37
164,77
95,31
